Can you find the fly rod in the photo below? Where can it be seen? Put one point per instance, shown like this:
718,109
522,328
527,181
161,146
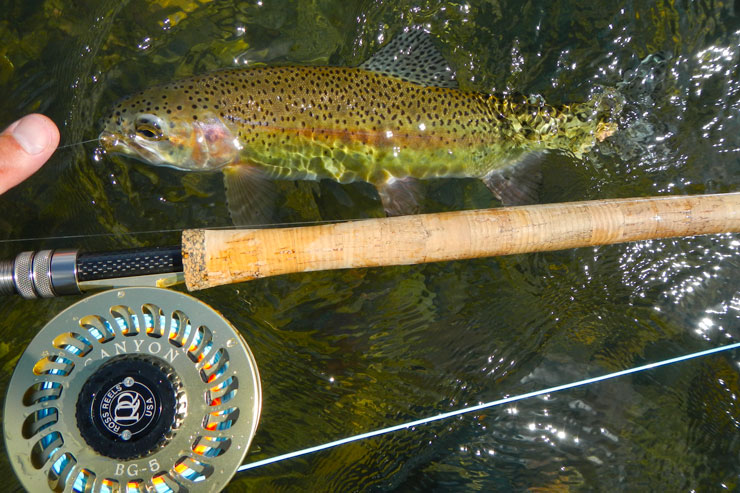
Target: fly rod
208,258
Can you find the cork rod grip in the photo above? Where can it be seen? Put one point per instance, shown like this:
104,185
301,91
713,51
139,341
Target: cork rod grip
216,257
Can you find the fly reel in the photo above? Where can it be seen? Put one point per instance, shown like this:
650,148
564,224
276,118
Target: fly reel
137,389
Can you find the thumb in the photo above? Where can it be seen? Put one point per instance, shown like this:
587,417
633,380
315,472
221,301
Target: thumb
24,146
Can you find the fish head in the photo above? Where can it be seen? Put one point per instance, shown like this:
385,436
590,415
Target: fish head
159,128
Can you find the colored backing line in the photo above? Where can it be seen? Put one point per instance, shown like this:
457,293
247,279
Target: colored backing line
471,409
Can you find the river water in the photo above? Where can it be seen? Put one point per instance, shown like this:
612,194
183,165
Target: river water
342,353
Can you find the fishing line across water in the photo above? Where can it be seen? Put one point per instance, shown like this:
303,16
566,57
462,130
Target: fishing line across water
467,410
173,230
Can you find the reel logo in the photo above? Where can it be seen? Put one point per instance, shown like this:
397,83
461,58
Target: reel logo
127,408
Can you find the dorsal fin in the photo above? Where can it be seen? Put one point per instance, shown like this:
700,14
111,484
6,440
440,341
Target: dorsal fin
413,57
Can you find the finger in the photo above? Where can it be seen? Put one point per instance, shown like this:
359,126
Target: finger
24,147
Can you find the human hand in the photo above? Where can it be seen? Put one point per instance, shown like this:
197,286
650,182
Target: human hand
24,146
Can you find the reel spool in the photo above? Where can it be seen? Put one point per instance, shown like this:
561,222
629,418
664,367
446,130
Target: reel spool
136,389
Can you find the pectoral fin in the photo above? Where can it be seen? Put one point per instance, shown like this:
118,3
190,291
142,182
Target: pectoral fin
519,183
401,196
250,196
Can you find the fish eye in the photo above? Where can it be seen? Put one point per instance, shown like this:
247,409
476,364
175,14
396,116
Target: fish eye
149,128
148,133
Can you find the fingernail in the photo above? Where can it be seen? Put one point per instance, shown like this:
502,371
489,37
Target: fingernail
30,133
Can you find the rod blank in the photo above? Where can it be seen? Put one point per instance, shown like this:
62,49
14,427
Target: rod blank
216,257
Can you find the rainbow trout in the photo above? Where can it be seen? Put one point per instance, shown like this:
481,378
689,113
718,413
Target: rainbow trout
396,119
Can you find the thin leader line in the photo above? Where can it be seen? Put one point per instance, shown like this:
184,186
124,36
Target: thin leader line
77,143
506,400
180,230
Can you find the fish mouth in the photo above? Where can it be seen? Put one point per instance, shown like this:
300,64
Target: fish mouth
110,141
114,143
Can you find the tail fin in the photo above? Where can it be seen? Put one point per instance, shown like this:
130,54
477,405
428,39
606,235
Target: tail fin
638,89
590,122
639,84
631,95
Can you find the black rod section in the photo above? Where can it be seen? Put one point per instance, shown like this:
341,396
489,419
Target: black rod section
128,263
49,273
